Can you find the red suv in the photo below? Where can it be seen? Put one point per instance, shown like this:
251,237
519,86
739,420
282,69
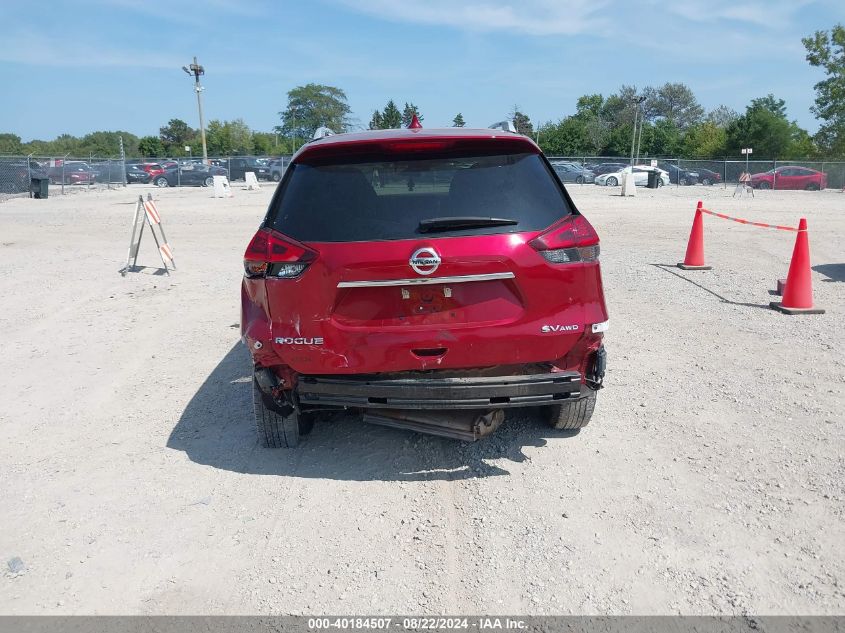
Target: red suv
430,279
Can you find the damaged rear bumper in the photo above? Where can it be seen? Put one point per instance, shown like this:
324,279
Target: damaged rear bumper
439,393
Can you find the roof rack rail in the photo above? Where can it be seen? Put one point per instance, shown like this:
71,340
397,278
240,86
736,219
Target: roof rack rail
322,132
505,126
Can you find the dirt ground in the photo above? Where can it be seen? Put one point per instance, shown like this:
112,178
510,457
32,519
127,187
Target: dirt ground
709,481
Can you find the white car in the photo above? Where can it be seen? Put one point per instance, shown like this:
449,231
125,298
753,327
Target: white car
614,178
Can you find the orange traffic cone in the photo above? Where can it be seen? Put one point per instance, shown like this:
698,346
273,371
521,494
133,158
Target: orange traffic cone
694,259
798,293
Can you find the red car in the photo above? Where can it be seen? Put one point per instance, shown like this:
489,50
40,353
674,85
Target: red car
153,169
431,279
790,177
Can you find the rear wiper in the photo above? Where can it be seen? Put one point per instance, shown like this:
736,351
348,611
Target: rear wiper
461,222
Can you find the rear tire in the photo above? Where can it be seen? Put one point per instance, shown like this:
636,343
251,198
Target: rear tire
611,182
706,181
811,187
161,182
276,177
276,430
579,180
764,185
208,182
572,415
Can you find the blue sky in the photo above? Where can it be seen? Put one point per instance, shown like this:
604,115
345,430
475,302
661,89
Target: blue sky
83,65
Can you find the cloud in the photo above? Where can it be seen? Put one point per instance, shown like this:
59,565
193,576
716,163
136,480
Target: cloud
532,17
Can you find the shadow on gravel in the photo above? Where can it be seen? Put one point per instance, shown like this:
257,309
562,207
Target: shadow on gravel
217,429
670,268
833,272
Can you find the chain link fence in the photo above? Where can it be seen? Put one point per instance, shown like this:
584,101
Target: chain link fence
21,175
68,174
774,174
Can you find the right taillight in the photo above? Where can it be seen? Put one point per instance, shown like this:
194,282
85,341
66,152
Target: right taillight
273,256
571,240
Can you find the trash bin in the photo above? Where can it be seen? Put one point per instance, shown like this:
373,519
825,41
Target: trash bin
653,179
39,187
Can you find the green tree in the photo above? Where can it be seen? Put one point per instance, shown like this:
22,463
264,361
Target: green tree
312,106
722,116
376,121
408,114
150,146
391,117
664,138
827,50
675,103
107,144
265,144
521,122
705,140
175,135
589,106
567,137
10,144
458,121
765,128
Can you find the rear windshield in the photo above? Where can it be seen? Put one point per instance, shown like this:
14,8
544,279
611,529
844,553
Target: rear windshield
387,199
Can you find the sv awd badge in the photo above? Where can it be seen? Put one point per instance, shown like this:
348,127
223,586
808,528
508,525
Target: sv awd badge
558,328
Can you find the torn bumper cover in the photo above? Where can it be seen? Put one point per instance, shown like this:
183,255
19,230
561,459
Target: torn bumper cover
439,393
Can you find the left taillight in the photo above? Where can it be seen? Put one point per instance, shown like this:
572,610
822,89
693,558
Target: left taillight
271,255
572,240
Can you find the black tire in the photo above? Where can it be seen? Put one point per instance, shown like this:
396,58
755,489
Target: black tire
764,185
611,182
684,182
208,182
275,430
659,183
276,177
579,180
706,181
811,187
161,182
571,415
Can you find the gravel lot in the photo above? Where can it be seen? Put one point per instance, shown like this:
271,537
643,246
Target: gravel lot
710,480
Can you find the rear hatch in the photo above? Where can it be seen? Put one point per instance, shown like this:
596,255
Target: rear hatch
401,261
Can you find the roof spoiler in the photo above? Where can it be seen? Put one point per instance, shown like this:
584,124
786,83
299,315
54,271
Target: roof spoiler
505,126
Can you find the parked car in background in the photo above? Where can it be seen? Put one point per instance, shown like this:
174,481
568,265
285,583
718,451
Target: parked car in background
790,177
108,171
134,174
640,173
15,175
708,176
153,169
679,175
72,172
277,168
202,175
239,166
606,168
570,172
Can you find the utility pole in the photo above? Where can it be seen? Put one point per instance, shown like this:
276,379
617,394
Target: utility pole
196,70
637,101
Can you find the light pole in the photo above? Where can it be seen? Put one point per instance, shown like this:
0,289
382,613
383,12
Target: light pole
636,101
196,70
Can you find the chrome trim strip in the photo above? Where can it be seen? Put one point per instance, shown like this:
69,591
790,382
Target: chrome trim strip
424,281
